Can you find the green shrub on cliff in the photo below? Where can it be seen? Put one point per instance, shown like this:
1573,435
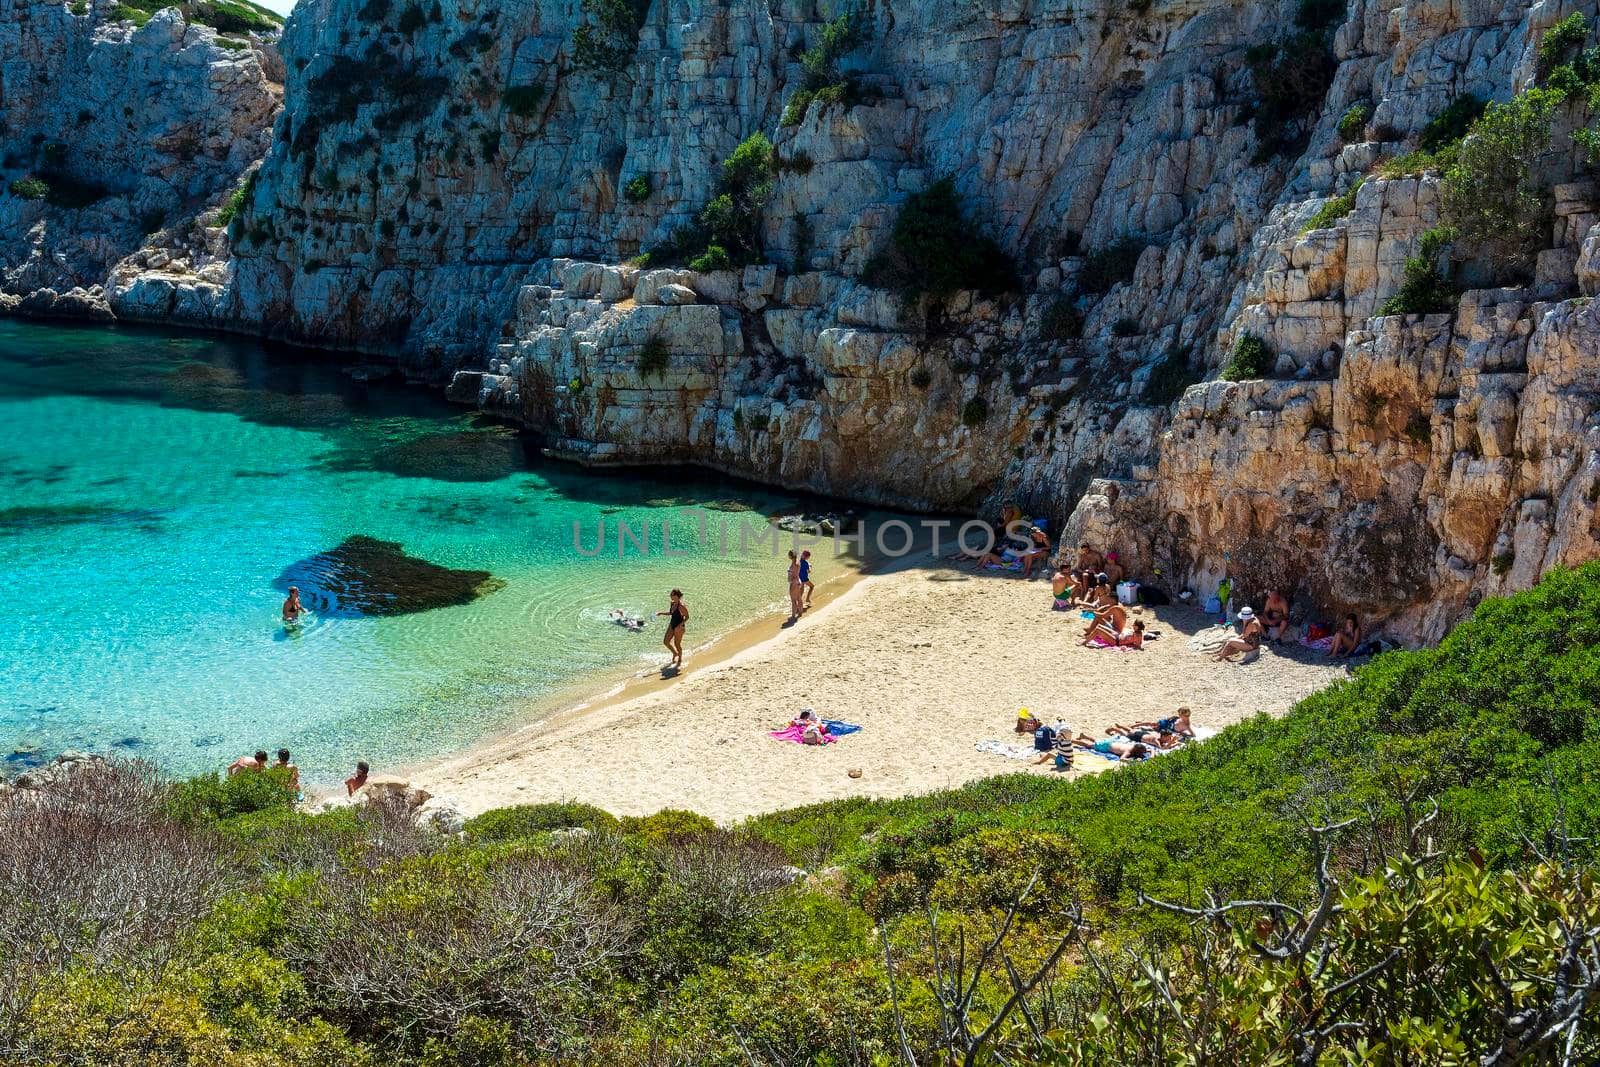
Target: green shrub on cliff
238,202
731,222
29,189
523,100
1353,123
1251,359
1423,290
637,191
934,249
605,44
1493,195
1336,208
1110,265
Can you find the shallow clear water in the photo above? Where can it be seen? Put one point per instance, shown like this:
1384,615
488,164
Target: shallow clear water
154,488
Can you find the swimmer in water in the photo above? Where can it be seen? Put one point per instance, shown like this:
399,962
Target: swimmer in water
292,608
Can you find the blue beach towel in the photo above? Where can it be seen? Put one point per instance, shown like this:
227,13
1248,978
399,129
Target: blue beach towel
839,729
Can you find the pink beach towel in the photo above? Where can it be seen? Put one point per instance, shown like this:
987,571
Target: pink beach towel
1098,641
797,735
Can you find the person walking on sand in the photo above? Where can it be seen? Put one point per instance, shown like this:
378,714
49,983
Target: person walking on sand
805,575
677,614
797,587
292,608
356,780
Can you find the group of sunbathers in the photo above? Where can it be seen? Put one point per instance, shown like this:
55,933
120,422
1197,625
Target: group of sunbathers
1136,741
1272,626
1090,586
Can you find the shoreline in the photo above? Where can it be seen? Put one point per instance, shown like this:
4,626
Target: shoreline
929,659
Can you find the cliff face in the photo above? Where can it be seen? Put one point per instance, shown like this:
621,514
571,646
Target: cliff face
127,131
449,184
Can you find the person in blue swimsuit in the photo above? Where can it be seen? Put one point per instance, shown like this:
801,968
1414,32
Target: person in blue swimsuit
805,575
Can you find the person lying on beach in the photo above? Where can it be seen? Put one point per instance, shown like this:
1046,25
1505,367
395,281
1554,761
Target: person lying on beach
1176,723
1149,735
292,608
813,731
356,780
1114,746
1249,639
258,762
1347,640
997,534
1275,616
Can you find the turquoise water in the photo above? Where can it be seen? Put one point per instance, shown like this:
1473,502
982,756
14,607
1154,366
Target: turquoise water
155,488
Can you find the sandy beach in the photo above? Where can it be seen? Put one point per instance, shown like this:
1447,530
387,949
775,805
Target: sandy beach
927,658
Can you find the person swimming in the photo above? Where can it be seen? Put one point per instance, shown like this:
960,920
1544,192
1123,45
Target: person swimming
631,623
292,608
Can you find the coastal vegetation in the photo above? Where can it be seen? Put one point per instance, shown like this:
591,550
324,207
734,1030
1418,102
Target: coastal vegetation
1397,871
935,249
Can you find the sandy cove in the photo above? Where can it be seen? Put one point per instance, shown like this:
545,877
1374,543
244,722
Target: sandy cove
927,658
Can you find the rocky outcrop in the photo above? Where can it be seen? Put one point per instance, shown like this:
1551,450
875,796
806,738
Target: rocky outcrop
132,130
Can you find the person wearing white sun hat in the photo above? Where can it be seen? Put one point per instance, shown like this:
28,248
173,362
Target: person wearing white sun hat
1250,635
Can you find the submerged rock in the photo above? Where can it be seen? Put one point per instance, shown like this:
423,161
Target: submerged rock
459,456
366,576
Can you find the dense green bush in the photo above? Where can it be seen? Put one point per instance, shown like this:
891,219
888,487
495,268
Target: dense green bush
523,100
1111,265
714,258
654,358
29,188
637,191
1450,125
606,43
1061,321
667,823
1423,290
1251,359
975,412
1170,378
1561,42
1353,123
238,202
214,796
526,820
935,250
1493,195
1335,209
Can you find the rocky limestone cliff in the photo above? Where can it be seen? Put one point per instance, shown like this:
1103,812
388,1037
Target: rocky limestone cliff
133,130
446,184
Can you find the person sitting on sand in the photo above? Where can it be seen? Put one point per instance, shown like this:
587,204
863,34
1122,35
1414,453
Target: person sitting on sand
1114,570
1176,723
1347,640
1108,623
292,608
1061,584
1061,747
1250,635
1133,637
258,762
1090,560
283,764
1120,747
1038,548
356,780
1275,616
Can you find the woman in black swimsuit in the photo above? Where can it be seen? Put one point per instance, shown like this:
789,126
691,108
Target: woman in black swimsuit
677,614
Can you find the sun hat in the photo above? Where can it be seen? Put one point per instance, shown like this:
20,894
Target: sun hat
1247,613
1024,713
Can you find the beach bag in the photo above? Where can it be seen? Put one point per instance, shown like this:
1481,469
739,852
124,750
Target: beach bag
1044,739
810,734
1213,606
1152,596
1316,631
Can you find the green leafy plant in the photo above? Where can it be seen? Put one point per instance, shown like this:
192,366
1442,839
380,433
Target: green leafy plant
654,358
606,43
238,201
523,101
1111,265
1561,42
714,258
1451,125
1125,328
637,191
1492,194
1170,378
975,412
1353,123
531,820
29,189
1335,209
1061,321
1251,359
935,250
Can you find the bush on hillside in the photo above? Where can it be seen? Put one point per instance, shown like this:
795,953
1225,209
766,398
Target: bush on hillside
1452,124
1336,208
523,100
1111,265
605,44
29,188
1562,42
637,191
1251,359
935,250
1353,123
1170,378
212,797
528,820
1492,194
1061,321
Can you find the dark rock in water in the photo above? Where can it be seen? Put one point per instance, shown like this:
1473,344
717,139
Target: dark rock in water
127,742
366,576
208,740
459,456
16,520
